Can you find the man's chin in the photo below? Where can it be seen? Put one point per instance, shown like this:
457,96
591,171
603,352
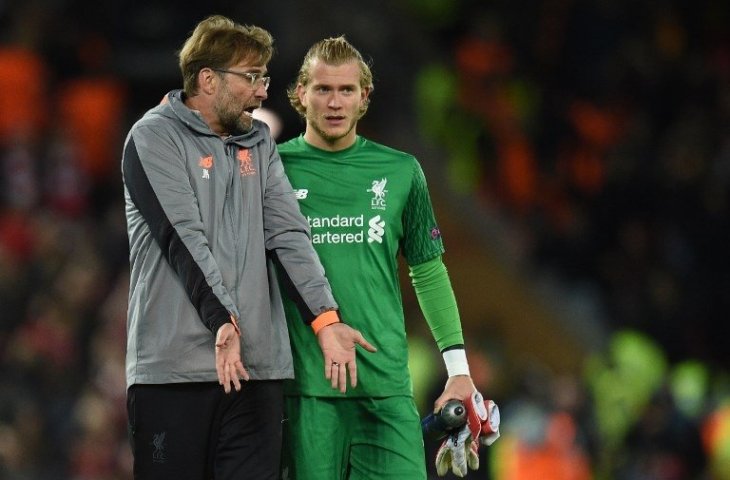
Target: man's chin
332,135
244,125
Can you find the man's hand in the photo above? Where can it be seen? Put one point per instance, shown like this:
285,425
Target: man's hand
228,363
458,387
338,342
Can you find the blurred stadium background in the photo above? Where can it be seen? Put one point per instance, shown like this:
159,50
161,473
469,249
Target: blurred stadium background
578,152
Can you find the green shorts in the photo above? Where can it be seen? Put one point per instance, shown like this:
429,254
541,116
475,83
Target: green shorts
352,439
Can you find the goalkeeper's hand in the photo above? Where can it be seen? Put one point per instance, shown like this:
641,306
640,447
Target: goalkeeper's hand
460,451
337,342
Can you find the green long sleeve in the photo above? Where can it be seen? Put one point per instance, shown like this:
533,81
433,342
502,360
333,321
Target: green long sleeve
438,304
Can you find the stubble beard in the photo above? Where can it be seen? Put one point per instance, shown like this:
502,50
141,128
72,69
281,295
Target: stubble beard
329,137
233,118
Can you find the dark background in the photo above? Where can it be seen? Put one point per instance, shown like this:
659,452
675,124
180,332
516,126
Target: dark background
578,154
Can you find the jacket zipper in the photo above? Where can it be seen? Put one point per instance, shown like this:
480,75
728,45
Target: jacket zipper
230,205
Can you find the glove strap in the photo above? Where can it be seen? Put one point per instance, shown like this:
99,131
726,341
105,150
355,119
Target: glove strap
476,414
492,424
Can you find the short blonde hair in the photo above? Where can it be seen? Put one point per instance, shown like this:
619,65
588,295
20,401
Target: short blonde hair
219,42
332,51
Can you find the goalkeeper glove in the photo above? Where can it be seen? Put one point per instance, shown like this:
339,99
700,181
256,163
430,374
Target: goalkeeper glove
457,452
460,451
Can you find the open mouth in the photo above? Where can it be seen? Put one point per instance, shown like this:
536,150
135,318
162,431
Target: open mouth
249,111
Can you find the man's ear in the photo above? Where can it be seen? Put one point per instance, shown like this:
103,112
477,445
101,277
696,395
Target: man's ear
207,80
364,94
302,94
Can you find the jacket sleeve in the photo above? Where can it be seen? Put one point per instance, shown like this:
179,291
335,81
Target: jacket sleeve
287,234
158,184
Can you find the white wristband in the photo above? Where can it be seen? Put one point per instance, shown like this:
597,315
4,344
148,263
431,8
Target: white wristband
455,361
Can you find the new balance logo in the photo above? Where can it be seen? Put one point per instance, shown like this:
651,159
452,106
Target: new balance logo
206,163
301,193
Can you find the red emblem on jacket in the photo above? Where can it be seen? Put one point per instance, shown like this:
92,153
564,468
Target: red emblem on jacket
245,162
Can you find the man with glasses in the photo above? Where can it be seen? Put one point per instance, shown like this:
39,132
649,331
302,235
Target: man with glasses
209,214
256,79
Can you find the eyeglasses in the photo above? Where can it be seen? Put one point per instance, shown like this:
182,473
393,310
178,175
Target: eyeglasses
254,78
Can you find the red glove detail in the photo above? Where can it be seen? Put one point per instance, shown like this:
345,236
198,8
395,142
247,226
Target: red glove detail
460,450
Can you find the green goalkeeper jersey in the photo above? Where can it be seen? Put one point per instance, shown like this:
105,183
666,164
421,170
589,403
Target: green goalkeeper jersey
364,205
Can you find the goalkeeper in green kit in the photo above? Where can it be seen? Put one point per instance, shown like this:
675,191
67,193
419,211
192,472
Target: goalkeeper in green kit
365,203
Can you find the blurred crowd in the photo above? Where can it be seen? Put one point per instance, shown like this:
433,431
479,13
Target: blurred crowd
593,133
598,131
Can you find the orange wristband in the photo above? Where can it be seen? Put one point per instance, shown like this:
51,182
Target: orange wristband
326,318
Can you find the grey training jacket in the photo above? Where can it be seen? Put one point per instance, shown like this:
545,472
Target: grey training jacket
206,217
